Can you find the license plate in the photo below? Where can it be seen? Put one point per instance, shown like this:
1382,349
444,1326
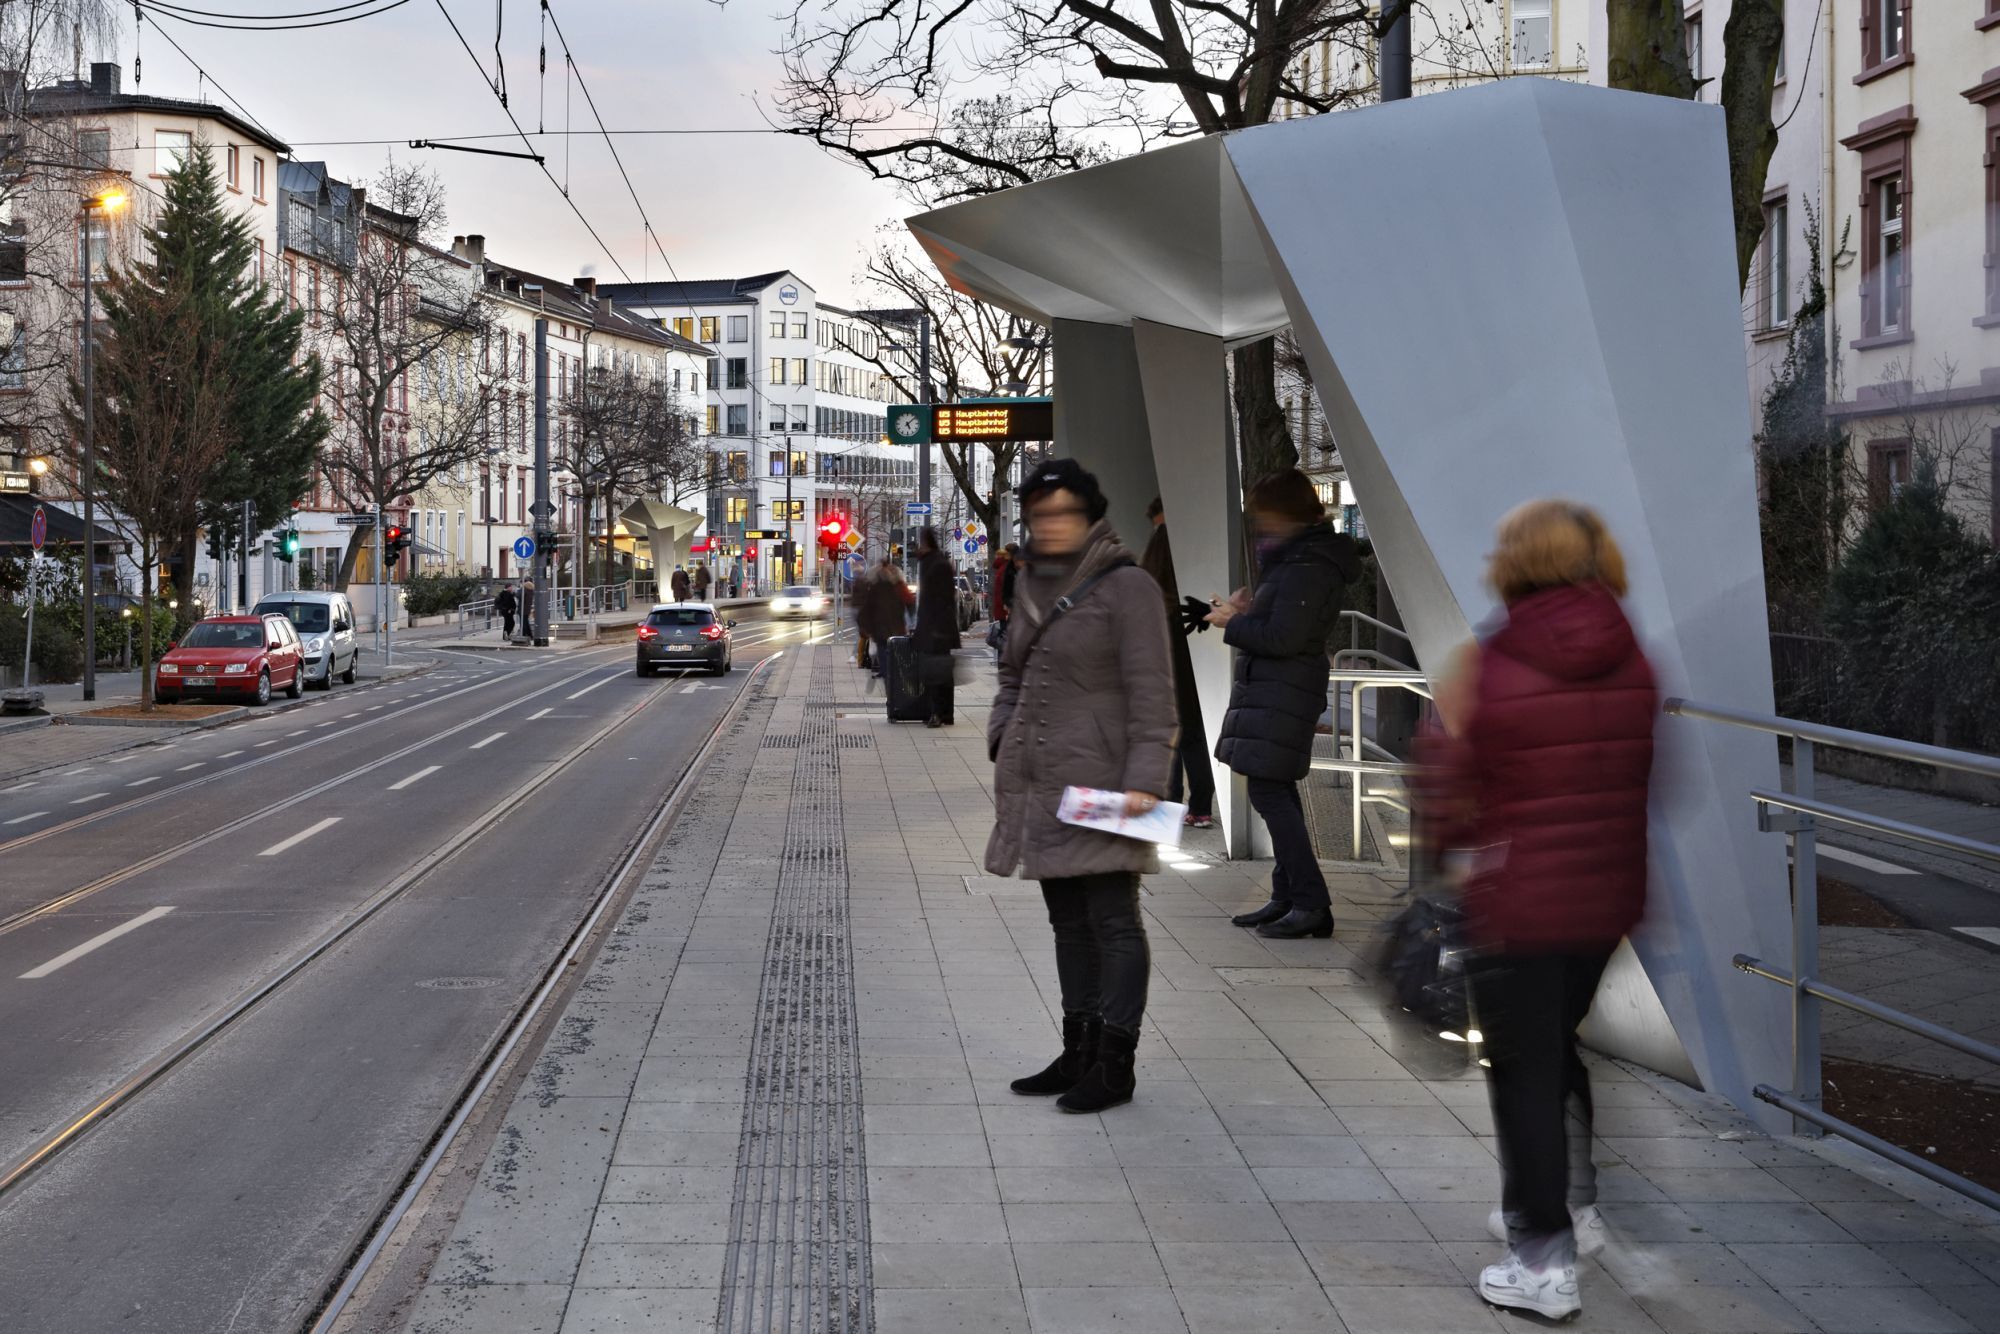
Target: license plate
680,648
198,682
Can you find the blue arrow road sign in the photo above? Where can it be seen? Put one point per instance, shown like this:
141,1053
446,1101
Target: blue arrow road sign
524,548
913,508
971,547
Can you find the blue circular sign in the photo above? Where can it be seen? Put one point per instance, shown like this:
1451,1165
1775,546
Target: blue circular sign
38,528
971,546
524,548
982,539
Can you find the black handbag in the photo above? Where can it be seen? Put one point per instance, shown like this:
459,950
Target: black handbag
936,669
1423,964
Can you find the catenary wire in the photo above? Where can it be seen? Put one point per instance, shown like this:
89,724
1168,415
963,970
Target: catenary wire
160,12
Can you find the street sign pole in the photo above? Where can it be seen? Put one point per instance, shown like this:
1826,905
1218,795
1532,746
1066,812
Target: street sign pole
542,506
383,630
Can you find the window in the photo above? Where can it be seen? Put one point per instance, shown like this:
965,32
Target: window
521,496
709,329
1885,37
739,465
713,422
677,381
684,326
1691,37
259,274
14,362
739,373
257,177
777,375
13,245
520,356
485,493
1888,470
95,235
231,169
739,328
788,510
775,421
737,510
1777,291
1534,36
739,419
170,149
94,148
799,371
798,326
312,288
801,463
777,463
1884,244
1891,263
799,417
777,326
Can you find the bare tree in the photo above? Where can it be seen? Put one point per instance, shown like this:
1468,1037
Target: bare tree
1950,440
163,423
856,70
627,436
409,320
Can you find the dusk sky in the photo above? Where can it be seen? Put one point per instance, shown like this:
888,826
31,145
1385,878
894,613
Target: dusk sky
722,204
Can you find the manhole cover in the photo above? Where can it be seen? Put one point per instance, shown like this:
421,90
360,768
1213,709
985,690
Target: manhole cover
459,983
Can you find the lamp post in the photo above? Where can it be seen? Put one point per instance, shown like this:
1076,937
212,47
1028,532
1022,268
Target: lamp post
107,201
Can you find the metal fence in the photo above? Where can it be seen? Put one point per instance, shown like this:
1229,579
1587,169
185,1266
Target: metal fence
1797,814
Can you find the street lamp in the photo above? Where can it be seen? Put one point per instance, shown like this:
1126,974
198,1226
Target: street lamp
108,201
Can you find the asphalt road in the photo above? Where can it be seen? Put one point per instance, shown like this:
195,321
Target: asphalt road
145,892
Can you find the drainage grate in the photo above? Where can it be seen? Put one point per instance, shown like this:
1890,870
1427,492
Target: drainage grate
798,1255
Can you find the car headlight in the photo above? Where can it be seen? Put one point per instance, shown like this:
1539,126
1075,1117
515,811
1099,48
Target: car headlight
170,669
314,645
236,669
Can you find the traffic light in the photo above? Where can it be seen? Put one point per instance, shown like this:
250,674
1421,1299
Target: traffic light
833,530
288,544
395,540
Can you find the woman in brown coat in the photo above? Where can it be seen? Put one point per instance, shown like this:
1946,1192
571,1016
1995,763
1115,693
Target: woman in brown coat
1086,700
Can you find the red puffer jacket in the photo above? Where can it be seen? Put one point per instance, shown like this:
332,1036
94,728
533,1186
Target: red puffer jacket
1552,776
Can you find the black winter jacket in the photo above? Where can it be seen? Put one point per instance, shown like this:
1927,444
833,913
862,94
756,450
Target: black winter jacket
937,605
1281,689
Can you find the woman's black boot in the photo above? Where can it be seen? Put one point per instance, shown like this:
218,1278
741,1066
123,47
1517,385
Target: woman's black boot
1079,1049
1109,1081
1270,912
1316,922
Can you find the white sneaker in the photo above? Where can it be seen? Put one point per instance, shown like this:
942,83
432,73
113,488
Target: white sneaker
1550,1292
1586,1223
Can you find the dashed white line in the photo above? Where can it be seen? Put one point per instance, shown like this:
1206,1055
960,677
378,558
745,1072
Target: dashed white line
124,759
185,767
74,772
272,742
328,723
285,845
23,819
421,773
95,942
371,708
141,782
481,745
18,787
301,732
1864,861
95,796
543,713
587,689
229,755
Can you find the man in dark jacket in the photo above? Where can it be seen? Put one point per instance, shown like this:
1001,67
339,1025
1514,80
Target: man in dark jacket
506,604
1280,689
937,624
679,584
1191,759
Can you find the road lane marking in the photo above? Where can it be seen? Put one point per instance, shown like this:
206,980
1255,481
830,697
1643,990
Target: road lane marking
300,732
481,745
421,773
95,942
23,819
95,796
587,689
328,723
125,759
74,772
1864,861
185,767
272,742
541,714
18,787
345,716
371,708
287,844
229,755
141,782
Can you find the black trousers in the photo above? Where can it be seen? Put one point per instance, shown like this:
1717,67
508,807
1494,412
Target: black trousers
1191,754
941,700
507,624
1102,958
1529,1006
1297,879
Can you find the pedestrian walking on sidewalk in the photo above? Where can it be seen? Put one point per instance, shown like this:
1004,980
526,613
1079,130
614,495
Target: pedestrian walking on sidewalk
1086,699
679,584
1549,757
1191,754
701,582
1280,689
528,609
936,634
505,603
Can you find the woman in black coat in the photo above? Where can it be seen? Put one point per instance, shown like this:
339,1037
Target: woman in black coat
1281,688
936,634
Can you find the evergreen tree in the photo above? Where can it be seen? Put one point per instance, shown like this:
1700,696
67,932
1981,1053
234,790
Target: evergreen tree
206,249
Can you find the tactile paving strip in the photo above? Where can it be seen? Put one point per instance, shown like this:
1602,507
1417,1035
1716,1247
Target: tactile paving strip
798,1254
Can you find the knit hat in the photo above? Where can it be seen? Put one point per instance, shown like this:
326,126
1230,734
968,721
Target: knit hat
1065,475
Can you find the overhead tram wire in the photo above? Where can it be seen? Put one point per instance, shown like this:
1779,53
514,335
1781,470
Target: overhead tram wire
255,124
270,18
271,25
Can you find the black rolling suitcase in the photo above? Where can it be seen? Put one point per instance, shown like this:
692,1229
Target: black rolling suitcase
909,702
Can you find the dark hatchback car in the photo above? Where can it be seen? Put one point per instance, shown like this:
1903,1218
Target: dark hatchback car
683,635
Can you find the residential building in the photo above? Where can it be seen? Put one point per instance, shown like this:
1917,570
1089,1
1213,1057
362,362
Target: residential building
1913,228
796,395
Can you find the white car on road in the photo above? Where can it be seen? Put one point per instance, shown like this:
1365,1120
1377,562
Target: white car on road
799,600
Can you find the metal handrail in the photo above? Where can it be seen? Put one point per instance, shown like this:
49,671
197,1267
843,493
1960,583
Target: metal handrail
1356,619
1358,681
1796,814
481,609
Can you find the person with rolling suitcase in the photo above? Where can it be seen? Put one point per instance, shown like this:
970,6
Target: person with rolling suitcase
903,682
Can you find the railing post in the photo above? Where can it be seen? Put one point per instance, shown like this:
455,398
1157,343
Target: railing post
1805,944
1355,689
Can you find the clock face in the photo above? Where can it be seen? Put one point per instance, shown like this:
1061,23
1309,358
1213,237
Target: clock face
908,424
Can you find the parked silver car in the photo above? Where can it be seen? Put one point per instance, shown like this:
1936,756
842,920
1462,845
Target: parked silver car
325,622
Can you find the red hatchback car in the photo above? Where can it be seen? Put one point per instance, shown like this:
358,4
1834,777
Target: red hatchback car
232,655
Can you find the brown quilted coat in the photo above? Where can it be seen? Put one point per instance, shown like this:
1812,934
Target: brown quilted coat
1086,699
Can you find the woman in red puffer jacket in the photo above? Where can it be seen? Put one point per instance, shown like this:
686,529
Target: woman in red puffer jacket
1544,783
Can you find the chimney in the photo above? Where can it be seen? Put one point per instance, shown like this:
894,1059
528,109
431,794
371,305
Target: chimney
471,248
104,78
587,286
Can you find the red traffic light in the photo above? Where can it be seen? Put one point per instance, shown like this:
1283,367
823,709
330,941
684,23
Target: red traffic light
832,530
393,534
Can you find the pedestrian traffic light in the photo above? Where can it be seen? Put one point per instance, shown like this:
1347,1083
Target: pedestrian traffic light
833,530
288,544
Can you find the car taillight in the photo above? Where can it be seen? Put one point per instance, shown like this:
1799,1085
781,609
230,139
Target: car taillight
711,632
648,632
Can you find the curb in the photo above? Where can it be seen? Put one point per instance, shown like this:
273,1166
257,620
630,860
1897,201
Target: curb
162,724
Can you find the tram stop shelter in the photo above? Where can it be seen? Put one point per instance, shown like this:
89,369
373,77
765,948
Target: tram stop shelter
1506,292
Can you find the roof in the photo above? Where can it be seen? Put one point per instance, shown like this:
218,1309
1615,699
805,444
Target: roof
72,95
697,292
17,514
567,301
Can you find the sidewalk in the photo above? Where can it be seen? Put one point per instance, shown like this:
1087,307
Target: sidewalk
779,1100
